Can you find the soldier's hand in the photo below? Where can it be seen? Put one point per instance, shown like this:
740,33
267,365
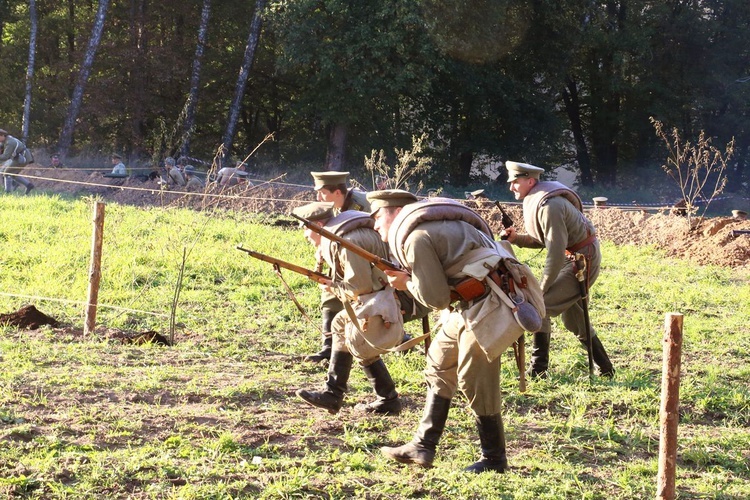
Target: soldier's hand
509,233
397,279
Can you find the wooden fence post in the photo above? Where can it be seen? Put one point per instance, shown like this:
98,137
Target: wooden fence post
95,269
669,413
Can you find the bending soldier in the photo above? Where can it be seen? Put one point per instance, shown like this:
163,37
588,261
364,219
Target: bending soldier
439,242
372,322
330,187
13,157
553,219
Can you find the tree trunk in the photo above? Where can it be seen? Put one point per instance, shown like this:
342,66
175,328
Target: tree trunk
336,154
573,110
139,42
239,90
71,34
29,72
195,77
66,136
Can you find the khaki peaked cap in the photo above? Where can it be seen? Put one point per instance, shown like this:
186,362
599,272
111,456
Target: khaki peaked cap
389,198
520,170
331,178
316,211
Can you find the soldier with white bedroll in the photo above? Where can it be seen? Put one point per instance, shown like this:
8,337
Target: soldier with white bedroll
373,320
13,157
330,187
452,263
554,219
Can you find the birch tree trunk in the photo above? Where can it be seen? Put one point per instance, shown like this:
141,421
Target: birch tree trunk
66,136
239,89
195,78
29,72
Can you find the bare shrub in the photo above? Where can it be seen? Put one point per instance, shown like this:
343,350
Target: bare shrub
699,170
409,163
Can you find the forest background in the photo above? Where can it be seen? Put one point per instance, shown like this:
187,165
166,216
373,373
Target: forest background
569,83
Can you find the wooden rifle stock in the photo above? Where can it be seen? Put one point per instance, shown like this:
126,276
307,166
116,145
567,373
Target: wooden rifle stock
506,221
313,275
375,260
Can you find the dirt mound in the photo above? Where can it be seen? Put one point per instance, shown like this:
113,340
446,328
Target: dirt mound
711,243
27,317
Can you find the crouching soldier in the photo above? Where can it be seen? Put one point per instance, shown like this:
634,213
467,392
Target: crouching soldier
450,257
371,323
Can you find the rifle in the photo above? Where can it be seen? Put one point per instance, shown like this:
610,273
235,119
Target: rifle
737,232
519,346
313,275
375,260
506,220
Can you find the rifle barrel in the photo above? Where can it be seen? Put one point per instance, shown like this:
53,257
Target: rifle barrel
313,275
376,260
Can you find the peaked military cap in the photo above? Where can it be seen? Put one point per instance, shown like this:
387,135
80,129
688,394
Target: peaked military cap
169,161
315,211
329,178
117,155
522,170
477,193
389,198
189,169
3,132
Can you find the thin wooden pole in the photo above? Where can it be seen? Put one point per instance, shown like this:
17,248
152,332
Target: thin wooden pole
95,269
669,412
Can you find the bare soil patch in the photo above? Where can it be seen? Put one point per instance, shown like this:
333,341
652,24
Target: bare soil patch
28,317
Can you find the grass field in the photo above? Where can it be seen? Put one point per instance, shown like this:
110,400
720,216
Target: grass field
215,415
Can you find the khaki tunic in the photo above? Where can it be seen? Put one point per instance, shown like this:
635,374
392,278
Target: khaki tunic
561,225
194,184
455,359
355,276
175,177
11,159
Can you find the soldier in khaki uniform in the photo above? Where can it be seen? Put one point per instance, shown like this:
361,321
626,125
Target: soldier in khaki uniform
435,252
372,323
553,219
13,157
192,181
330,187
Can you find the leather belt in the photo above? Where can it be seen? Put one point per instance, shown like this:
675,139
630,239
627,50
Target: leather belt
472,289
581,244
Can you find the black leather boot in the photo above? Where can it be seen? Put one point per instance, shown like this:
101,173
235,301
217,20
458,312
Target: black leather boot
387,402
539,356
327,340
601,359
492,438
332,398
421,450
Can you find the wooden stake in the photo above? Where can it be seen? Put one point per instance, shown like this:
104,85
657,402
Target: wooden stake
669,413
95,269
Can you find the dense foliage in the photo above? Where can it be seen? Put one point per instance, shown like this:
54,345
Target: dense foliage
571,82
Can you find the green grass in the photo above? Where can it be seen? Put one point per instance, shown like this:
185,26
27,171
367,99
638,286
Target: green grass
215,416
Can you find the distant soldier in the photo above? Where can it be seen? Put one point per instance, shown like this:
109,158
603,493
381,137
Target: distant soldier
330,187
194,183
231,176
13,157
553,219
174,176
118,167
373,321
54,161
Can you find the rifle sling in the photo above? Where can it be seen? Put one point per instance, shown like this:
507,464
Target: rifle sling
294,299
401,347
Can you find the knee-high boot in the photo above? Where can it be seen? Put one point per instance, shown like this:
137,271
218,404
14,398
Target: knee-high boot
326,338
332,397
601,358
387,402
539,355
421,450
492,438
